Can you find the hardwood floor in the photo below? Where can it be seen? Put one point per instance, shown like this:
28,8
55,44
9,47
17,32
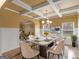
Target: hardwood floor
65,55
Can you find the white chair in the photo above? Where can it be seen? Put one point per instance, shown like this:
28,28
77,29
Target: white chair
27,51
68,41
56,50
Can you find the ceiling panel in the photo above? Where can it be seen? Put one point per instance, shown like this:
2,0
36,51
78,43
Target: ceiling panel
45,11
69,3
33,15
65,4
12,6
34,3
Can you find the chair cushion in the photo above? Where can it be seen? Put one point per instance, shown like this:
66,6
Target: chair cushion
34,54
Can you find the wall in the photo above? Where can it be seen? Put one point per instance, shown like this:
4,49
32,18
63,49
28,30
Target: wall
10,38
9,29
0,41
78,30
10,19
69,18
59,21
37,28
9,24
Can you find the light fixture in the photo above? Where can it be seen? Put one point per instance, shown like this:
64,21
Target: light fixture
42,22
2,2
47,19
48,22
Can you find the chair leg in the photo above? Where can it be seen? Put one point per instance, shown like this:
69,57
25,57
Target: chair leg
23,57
48,55
38,56
58,56
61,56
52,55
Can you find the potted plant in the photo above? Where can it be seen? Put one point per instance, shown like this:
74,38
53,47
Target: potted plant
74,39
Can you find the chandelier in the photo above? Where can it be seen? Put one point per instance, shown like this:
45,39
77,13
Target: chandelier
46,24
46,21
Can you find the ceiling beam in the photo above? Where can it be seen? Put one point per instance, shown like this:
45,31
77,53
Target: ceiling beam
25,6
22,4
41,5
11,10
55,8
30,9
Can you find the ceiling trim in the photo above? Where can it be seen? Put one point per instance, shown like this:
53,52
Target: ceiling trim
70,8
11,10
54,8
43,5
25,6
22,4
68,11
30,9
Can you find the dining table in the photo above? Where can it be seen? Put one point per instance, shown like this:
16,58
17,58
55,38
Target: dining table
43,44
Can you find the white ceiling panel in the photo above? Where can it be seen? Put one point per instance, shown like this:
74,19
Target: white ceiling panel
69,3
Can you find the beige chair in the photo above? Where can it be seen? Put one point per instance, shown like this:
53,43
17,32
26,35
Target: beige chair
27,51
56,50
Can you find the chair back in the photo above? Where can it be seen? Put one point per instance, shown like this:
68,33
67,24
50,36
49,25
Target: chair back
59,47
26,50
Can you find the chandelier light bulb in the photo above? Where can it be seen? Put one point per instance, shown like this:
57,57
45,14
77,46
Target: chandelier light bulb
43,22
48,21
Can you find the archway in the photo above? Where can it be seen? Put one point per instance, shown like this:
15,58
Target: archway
26,27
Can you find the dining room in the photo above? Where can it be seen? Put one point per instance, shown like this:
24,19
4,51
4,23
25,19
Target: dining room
39,29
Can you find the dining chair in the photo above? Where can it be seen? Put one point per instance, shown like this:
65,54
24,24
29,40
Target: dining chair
27,51
56,50
33,45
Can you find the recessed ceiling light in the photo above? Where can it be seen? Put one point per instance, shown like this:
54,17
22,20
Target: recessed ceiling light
2,2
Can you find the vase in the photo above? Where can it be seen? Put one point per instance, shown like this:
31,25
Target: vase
74,44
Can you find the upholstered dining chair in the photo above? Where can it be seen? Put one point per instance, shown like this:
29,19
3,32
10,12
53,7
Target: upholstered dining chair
27,51
56,50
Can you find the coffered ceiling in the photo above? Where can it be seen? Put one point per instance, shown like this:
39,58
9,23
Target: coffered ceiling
42,8
12,6
34,3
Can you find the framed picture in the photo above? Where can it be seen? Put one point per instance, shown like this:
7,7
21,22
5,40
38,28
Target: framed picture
68,28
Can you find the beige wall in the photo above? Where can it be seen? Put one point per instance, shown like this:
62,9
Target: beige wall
9,29
59,21
11,19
